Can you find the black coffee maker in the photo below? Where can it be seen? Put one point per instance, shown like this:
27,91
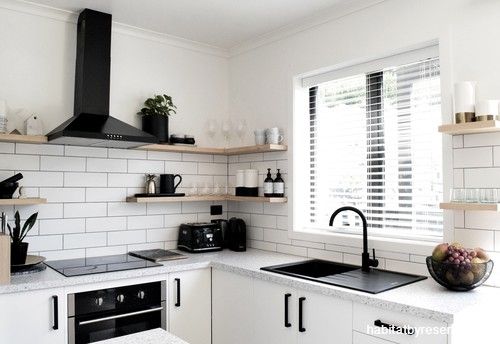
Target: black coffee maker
236,236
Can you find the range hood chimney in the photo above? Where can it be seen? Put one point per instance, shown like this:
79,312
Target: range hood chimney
91,124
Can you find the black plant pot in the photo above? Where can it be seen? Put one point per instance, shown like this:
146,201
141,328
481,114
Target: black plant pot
156,125
18,253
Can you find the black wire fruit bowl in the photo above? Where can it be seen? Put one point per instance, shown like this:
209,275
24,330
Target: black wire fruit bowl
459,277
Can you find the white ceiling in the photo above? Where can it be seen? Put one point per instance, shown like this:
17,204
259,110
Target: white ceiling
220,23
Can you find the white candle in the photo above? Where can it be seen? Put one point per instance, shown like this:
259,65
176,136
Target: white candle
465,96
487,107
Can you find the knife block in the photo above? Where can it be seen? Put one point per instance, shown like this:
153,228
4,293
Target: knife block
4,259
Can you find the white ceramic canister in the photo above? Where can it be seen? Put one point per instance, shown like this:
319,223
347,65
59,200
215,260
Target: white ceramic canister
251,178
240,178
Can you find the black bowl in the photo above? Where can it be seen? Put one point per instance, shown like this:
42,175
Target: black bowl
458,278
8,189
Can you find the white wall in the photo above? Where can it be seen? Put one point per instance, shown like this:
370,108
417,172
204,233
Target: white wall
261,85
37,69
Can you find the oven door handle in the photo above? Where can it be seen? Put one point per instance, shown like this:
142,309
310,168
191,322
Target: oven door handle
86,322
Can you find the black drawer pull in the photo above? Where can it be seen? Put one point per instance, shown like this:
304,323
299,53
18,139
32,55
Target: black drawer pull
287,323
178,301
404,330
301,309
55,304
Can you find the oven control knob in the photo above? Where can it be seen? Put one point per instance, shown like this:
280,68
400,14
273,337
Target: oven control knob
141,295
99,301
120,298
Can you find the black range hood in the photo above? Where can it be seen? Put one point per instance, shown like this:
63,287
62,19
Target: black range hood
91,124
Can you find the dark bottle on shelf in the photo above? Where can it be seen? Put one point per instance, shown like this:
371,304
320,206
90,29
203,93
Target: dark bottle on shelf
268,185
278,186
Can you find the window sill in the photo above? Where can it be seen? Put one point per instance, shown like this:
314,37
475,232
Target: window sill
411,246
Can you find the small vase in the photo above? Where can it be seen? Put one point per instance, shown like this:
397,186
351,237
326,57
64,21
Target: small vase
18,252
156,125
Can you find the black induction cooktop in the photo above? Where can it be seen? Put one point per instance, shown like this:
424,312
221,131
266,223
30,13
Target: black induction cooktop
97,265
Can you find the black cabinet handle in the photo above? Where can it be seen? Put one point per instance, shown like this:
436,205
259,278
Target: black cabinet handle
55,303
398,329
178,301
301,306
287,323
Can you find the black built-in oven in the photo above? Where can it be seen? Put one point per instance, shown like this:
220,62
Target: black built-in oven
107,313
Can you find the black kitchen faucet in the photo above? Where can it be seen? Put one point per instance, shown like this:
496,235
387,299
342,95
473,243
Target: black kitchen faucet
366,261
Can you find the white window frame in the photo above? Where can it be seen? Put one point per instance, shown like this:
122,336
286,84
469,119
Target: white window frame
298,147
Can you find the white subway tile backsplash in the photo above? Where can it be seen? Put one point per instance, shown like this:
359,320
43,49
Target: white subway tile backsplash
181,167
44,243
63,195
105,251
63,254
126,209
145,166
221,159
406,267
458,141
327,255
496,156
293,250
278,236
262,167
72,210
251,157
84,240
473,157
19,162
212,169
266,221
85,179
6,147
27,148
486,139
127,237
174,220
147,246
145,222
167,156
96,152
476,238
458,179
482,177
197,157
106,194
106,165
164,208
62,226
276,209
62,163
162,234
126,180
45,211
262,245
42,179
481,220
255,233
127,153
105,224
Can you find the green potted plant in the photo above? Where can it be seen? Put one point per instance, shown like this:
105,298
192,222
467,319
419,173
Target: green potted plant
155,116
18,248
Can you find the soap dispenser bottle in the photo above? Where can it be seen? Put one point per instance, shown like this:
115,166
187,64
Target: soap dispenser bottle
278,185
268,185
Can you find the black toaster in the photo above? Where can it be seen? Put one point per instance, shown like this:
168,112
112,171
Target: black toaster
200,237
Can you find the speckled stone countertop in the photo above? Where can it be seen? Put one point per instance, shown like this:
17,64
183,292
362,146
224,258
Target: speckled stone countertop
156,336
424,299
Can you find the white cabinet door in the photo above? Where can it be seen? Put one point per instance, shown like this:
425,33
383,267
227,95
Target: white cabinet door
325,319
29,317
275,309
359,338
232,311
190,305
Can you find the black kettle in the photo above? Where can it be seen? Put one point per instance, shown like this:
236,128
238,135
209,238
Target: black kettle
236,235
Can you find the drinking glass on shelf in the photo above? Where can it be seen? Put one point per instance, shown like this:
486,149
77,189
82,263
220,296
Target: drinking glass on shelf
488,196
211,127
226,129
193,190
241,128
457,195
472,195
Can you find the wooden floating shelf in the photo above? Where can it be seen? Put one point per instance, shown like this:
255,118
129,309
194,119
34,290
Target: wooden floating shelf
164,147
209,198
23,138
470,128
216,151
470,206
22,201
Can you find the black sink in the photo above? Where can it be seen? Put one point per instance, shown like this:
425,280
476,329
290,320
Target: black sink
344,275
